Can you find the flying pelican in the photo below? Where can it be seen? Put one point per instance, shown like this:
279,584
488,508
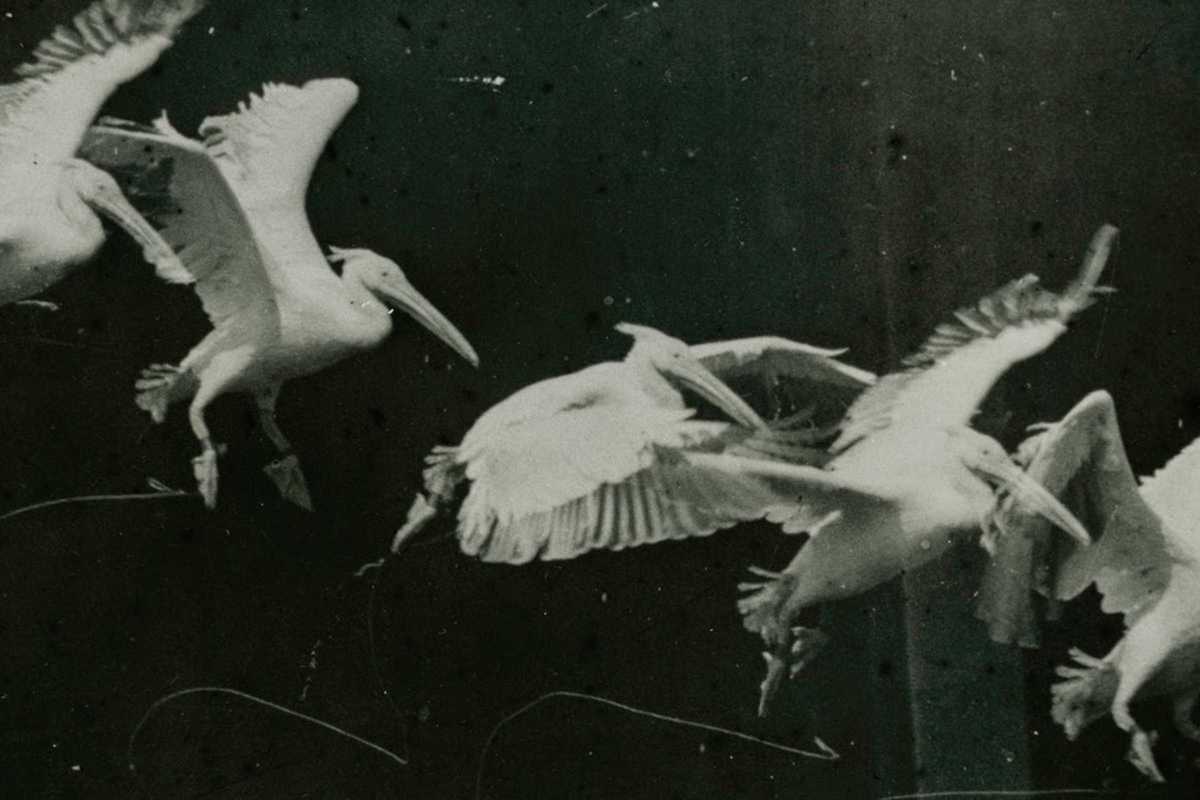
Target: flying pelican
49,198
908,477
590,460
233,207
1146,565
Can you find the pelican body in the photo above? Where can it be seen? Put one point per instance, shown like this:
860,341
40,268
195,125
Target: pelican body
1145,564
232,205
49,198
593,460
908,478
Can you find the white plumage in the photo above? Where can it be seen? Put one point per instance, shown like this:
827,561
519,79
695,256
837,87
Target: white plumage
232,206
908,477
1145,564
49,198
592,460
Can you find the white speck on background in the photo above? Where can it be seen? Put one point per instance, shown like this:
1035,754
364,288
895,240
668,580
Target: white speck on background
494,82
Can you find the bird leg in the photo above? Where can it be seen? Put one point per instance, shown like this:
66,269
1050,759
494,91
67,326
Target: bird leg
420,513
100,191
795,652
204,466
285,471
158,386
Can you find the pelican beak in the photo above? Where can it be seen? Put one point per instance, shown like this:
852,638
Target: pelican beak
695,376
403,296
1030,494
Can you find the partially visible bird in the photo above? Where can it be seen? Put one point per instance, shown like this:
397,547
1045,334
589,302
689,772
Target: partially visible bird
592,460
1145,564
50,198
233,207
908,477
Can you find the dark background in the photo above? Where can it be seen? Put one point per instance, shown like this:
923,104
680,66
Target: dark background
839,173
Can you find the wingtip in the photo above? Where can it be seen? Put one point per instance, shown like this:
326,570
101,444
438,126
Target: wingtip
1081,293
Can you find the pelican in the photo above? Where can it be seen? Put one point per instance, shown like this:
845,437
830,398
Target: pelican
50,198
590,460
1145,564
233,207
908,476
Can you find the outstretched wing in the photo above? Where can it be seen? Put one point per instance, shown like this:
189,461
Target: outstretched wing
267,151
574,465
75,69
175,182
944,382
779,378
1081,459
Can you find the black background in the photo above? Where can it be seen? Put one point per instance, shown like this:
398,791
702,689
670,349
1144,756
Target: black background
839,173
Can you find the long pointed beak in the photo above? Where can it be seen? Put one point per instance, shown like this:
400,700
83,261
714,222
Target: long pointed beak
155,249
696,377
409,300
1033,496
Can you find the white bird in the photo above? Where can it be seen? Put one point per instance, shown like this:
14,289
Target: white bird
1145,564
233,207
590,460
909,477
49,198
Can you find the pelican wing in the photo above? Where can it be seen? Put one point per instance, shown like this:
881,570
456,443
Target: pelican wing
267,151
76,68
1173,493
572,467
943,383
1081,459
794,377
176,182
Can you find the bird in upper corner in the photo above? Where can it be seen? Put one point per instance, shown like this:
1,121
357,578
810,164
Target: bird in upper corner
232,206
1145,564
49,197
908,477
592,460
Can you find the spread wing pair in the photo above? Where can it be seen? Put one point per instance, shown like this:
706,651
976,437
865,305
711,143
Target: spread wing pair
1146,566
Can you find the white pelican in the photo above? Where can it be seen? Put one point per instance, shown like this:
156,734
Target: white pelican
233,207
49,198
909,477
591,460
1145,563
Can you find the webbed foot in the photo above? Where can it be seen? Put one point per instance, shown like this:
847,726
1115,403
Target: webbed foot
204,466
288,478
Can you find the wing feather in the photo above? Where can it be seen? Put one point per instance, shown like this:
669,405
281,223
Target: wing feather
175,181
943,383
1081,459
791,376
562,468
46,114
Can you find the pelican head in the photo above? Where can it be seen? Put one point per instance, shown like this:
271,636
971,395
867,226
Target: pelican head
985,457
386,282
673,359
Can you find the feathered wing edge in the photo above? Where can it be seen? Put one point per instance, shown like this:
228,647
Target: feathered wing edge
103,24
1020,303
669,498
1081,459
